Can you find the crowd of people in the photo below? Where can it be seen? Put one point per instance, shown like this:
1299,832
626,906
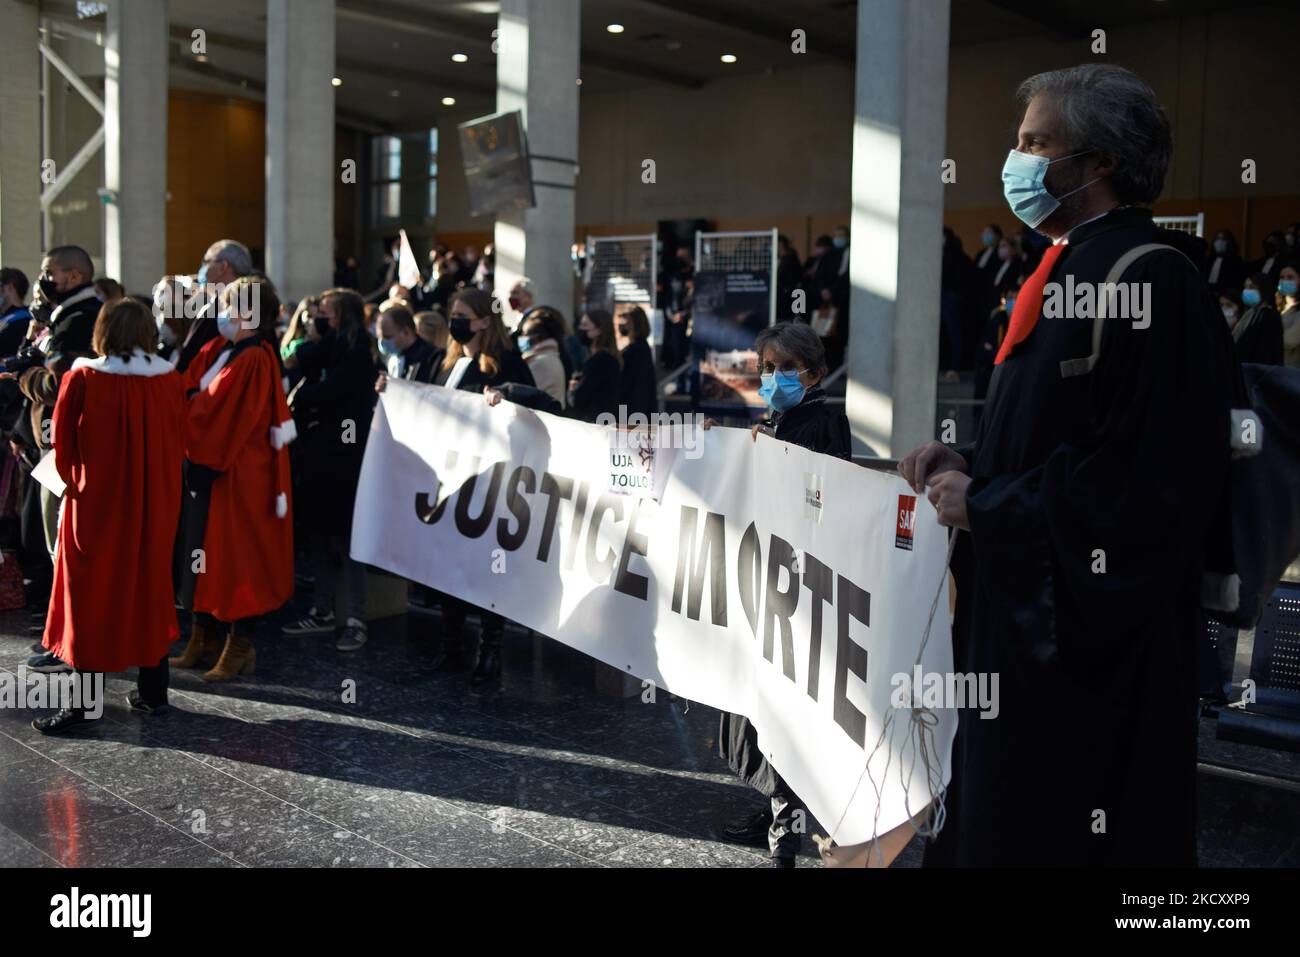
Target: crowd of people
1258,298
209,442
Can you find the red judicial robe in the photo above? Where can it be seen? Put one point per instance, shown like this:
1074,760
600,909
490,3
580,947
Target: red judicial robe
118,434
239,425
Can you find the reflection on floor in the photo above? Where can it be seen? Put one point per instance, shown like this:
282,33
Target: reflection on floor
420,771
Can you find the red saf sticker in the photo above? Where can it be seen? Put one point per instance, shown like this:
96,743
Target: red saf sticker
906,522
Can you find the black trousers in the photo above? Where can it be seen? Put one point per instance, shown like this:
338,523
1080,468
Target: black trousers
152,682
454,610
243,628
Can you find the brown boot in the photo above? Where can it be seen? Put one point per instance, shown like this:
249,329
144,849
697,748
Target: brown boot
202,649
237,658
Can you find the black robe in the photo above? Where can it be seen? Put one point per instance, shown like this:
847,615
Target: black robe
1097,669
819,427
1258,336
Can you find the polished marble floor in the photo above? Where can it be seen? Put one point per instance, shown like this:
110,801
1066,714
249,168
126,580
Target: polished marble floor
418,770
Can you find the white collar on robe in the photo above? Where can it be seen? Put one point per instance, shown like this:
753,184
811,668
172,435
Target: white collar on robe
140,363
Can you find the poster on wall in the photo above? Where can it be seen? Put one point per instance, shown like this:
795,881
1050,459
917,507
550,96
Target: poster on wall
729,311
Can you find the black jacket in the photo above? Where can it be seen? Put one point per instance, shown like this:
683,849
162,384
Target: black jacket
422,361
1258,335
815,425
638,386
71,325
331,409
599,388
511,368
202,330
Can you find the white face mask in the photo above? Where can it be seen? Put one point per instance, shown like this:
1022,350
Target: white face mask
1230,313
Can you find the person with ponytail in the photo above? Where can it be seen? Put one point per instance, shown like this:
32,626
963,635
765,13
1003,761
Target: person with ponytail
235,562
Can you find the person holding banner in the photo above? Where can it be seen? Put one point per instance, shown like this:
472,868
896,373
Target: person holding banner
639,385
236,562
118,433
1091,501
596,389
479,357
792,362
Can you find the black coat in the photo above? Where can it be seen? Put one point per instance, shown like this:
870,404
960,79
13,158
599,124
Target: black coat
511,368
819,427
1258,336
599,388
332,407
1092,505
422,361
202,330
71,326
638,389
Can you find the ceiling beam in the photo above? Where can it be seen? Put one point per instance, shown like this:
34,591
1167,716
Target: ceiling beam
757,24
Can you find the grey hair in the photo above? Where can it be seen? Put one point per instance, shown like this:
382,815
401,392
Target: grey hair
234,253
1111,110
797,340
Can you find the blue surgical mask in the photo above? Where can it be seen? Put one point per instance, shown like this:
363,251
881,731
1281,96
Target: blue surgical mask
388,347
1022,185
1011,304
1287,287
1220,246
202,277
840,242
1250,297
781,390
524,343
227,326
987,237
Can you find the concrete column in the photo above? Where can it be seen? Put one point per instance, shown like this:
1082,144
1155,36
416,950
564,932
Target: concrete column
300,167
901,95
20,132
537,72
135,142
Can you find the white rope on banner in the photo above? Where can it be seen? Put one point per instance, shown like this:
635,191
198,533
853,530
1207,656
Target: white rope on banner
921,726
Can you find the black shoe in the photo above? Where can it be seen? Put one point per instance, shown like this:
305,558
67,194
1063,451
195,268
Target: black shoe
751,831
448,657
135,701
488,668
783,862
62,720
48,663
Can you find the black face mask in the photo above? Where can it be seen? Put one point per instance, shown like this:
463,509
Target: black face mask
460,330
49,291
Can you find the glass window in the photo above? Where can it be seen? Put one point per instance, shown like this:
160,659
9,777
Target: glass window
386,186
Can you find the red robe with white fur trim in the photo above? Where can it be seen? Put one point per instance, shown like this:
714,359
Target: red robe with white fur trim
118,434
239,425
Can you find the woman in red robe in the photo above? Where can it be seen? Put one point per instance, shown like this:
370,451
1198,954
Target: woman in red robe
118,435
239,553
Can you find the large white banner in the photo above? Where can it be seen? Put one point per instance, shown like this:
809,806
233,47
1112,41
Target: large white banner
756,577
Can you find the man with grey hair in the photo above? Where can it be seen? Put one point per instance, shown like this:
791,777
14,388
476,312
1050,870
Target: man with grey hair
224,262
1092,498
